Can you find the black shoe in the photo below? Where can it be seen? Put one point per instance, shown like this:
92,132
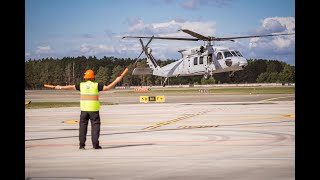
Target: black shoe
97,147
81,148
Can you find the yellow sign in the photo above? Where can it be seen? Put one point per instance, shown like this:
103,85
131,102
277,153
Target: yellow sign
146,99
160,99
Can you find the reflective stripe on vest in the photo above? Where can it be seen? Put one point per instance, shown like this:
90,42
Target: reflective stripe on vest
89,96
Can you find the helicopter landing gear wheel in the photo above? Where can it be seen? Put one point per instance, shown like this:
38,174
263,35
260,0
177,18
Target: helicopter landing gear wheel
231,75
164,82
206,76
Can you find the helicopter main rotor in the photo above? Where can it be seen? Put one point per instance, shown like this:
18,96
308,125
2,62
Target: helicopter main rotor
205,38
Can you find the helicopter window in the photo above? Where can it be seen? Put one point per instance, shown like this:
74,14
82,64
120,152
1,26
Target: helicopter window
195,61
201,60
209,58
227,54
234,53
219,56
239,54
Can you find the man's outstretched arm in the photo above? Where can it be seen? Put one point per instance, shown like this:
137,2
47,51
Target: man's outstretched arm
69,87
115,82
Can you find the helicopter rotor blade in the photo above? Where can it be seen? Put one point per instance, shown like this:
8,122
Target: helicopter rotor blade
204,38
135,63
194,34
149,41
167,38
242,37
140,55
141,42
144,48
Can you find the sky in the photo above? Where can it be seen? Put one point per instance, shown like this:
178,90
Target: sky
72,28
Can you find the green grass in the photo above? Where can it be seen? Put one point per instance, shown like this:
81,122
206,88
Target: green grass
177,91
40,105
222,90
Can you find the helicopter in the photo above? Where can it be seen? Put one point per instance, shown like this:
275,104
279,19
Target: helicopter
201,60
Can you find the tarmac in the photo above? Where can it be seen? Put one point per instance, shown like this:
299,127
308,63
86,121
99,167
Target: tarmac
187,137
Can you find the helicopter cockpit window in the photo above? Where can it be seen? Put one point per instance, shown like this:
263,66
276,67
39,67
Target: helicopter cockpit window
234,53
219,56
239,54
227,54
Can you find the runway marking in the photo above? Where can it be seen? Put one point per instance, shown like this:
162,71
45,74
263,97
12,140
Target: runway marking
151,142
108,122
174,120
275,98
250,123
289,115
239,124
71,121
246,119
192,127
190,120
240,120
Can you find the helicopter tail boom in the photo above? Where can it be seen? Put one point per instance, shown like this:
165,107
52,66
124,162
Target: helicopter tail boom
151,61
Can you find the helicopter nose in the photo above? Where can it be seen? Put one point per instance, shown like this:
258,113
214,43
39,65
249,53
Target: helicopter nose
243,63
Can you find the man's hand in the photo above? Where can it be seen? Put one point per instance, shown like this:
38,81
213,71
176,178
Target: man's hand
49,86
118,79
57,87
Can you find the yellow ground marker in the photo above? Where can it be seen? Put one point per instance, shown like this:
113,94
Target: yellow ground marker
71,121
174,120
275,98
289,115
28,102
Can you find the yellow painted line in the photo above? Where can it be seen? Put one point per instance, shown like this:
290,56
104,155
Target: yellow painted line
275,98
289,116
111,123
183,118
174,120
71,121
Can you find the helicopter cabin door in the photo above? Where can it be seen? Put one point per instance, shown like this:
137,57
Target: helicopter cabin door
198,64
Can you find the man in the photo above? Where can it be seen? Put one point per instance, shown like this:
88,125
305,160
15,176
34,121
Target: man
89,105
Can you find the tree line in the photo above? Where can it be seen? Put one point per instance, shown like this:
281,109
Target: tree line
70,71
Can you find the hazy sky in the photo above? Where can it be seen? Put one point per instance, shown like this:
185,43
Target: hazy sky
60,28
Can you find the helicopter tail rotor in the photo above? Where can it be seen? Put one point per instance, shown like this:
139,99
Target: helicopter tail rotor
144,49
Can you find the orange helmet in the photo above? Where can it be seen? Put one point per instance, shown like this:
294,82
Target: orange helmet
89,74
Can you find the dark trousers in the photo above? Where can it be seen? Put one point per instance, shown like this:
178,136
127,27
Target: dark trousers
95,127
